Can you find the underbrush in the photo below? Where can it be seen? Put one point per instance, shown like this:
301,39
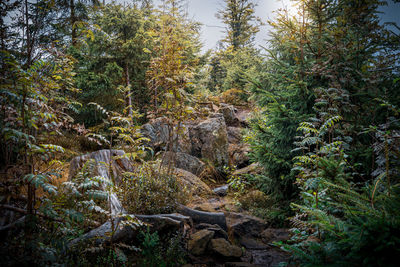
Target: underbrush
161,251
249,196
151,190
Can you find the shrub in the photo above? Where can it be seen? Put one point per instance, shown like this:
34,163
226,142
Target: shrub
150,190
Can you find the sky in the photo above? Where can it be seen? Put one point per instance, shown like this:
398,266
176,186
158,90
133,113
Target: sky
212,31
204,12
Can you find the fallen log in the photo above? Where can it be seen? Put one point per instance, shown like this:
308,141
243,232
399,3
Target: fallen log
13,224
204,217
126,233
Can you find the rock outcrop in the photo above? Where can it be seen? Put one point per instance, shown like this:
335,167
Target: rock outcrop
158,131
210,141
239,155
205,140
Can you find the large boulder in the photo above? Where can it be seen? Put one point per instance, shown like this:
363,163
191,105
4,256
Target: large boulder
193,183
159,130
184,161
210,141
199,240
245,225
223,248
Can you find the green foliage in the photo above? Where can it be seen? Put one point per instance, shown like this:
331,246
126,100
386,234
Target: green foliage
348,180
113,63
240,21
151,250
155,253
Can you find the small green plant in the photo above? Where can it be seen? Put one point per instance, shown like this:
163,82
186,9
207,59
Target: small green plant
237,183
151,250
157,251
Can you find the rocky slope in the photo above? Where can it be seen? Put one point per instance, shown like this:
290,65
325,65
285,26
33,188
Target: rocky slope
216,233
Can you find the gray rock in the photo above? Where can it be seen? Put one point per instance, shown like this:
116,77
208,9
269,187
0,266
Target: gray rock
223,248
245,225
218,231
193,183
210,141
222,190
234,135
158,131
204,217
253,168
239,155
228,112
275,234
216,115
199,241
184,161
251,243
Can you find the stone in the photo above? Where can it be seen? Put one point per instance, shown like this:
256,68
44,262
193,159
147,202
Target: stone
204,217
223,248
199,240
253,168
222,190
234,135
193,183
210,141
158,131
228,111
245,225
239,155
218,231
243,116
184,161
274,235
251,243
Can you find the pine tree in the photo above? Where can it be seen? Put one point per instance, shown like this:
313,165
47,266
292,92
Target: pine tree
241,23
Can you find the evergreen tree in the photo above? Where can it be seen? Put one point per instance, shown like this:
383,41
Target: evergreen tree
114,62
241,23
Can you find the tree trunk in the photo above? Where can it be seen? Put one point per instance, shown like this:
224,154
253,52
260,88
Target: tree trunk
129,93
72,21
